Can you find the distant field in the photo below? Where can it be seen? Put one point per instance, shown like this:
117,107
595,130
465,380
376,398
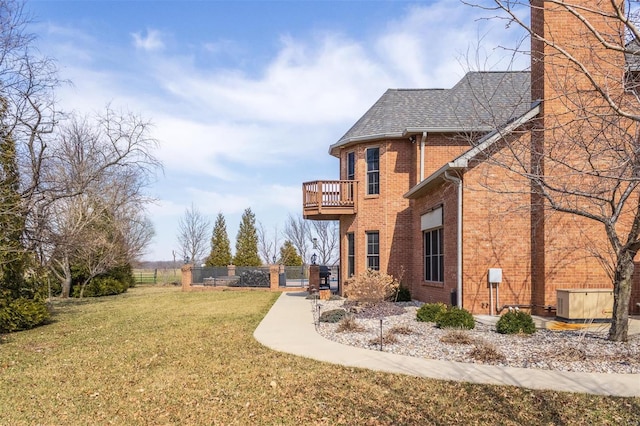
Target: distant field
157,276
159,356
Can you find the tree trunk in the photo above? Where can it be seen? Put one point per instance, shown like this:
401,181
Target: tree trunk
621,296
66,278
66,286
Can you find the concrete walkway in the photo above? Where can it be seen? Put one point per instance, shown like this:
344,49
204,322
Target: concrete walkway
289,327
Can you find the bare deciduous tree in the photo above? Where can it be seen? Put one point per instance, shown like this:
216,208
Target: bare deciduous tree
296,230
89,209
583,163
268,244
327,241
193,234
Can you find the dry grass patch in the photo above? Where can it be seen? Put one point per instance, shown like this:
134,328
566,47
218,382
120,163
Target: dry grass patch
349,324
401,329
486,352
159,356
457,337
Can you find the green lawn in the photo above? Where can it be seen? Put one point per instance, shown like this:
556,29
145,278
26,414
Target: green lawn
156,356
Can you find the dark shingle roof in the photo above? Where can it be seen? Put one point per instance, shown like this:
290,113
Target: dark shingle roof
481,101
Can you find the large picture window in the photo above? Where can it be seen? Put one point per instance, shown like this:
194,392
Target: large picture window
433,255
373,171
373,250
351,255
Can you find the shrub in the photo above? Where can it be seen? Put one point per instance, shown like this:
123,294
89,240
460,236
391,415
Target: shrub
402,295
23,314
514,322
101,286
332,316
455,317
371,287
430,311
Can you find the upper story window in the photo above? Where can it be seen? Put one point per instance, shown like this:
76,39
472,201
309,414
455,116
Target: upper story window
373,171
351,165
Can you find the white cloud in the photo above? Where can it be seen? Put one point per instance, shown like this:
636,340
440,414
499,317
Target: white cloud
151,42
236,138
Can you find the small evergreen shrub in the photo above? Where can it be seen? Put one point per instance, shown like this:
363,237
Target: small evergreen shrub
455,317
430,311
333,316
101,286
402,295
371,287
514,322
23,314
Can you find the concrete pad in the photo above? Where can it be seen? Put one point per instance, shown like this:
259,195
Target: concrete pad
289,327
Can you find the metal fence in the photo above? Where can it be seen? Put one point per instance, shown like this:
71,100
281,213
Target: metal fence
219,276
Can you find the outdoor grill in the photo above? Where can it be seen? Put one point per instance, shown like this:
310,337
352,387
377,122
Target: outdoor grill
325,272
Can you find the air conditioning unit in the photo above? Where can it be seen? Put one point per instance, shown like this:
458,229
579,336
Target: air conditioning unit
584,304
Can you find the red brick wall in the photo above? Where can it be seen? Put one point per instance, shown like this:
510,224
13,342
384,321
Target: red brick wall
563,245
388,213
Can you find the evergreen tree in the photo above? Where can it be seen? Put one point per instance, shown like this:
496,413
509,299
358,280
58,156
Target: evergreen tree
289,255
220,247
247,241
12,224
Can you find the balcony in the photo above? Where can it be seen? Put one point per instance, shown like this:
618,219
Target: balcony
329,199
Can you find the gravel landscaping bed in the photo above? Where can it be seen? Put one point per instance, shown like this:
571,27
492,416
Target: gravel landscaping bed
581,351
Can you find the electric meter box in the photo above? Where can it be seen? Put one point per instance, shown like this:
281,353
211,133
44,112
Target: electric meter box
495,275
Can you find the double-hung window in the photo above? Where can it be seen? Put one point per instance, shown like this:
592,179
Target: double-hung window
433,245
351,165
373,250
351,255
373,171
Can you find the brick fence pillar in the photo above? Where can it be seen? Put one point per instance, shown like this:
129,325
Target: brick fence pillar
186,277
314,277
231,270
274,277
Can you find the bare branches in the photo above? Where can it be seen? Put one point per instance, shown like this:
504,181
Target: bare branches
296,230
193,234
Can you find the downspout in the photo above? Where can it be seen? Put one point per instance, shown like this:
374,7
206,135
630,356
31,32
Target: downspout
422,141
458,181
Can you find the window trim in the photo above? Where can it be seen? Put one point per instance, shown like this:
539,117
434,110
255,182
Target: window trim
373,257
351,164
351,254
433,260
373,188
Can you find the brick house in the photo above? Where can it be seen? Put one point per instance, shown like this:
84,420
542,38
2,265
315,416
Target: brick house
424,192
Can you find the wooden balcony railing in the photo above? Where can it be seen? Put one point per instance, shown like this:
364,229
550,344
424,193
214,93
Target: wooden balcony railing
329,199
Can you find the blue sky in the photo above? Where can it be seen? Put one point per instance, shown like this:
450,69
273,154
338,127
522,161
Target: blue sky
247,96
